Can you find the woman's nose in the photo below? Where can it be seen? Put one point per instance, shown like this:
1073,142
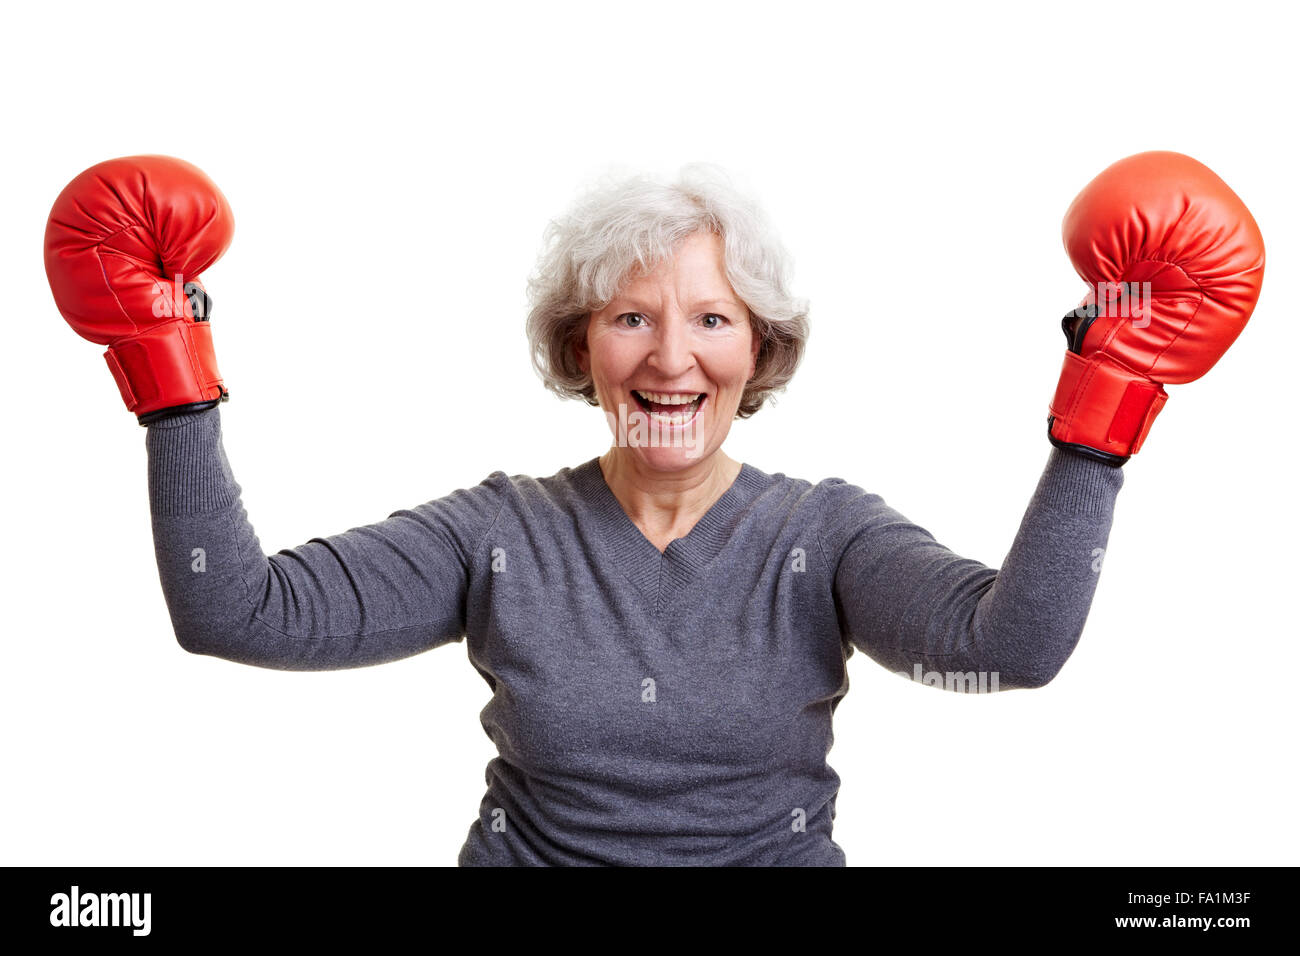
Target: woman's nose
671,354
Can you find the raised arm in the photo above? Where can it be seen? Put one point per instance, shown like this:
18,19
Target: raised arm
369,595
1174,263
125,244
917,608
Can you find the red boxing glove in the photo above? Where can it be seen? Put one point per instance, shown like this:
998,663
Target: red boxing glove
124,247
1174,263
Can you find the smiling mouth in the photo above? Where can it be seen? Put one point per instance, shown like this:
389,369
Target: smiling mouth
673,409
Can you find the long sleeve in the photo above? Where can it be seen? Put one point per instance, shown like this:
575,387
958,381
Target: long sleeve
914,606
369,595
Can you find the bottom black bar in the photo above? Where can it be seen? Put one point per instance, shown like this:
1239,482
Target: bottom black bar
873,905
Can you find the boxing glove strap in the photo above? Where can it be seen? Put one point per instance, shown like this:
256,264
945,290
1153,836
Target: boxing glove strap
1102,405
169,365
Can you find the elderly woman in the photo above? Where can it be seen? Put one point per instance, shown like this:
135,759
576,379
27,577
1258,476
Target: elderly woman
664,629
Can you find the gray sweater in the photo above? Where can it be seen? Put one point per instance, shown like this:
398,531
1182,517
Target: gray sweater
647,708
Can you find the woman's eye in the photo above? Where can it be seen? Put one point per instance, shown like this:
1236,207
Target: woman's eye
634,320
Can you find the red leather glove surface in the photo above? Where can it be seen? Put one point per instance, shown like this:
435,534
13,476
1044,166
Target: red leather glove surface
1174,262
125,245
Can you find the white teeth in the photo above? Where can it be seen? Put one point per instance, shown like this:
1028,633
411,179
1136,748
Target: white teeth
689,405
666,398
672,418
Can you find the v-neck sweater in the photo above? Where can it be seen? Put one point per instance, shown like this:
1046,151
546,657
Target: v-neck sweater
648,708
651,572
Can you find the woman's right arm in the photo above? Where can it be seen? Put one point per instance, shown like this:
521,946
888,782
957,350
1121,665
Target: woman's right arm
369,595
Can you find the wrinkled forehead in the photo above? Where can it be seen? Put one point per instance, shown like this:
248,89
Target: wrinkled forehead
693,273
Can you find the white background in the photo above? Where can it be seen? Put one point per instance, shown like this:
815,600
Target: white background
392,168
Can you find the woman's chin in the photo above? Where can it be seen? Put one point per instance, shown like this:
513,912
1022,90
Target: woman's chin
666,455
669,458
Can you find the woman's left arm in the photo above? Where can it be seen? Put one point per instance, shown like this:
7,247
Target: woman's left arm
908,602
1174,262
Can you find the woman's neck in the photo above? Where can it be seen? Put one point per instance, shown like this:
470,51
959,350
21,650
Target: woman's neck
666,505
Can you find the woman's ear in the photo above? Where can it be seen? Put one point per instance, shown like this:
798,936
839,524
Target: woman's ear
579,344
753,349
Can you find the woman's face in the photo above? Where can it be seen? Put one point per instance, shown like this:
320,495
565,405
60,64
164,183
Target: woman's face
670,356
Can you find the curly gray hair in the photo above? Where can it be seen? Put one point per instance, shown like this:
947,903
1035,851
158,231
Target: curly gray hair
625,222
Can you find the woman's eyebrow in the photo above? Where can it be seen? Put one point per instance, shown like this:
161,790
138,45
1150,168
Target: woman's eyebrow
707,303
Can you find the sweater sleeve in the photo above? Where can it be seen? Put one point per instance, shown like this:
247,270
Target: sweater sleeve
369,595
914,606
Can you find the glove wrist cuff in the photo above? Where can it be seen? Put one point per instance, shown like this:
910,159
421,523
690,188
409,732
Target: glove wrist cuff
1103,406
170,365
